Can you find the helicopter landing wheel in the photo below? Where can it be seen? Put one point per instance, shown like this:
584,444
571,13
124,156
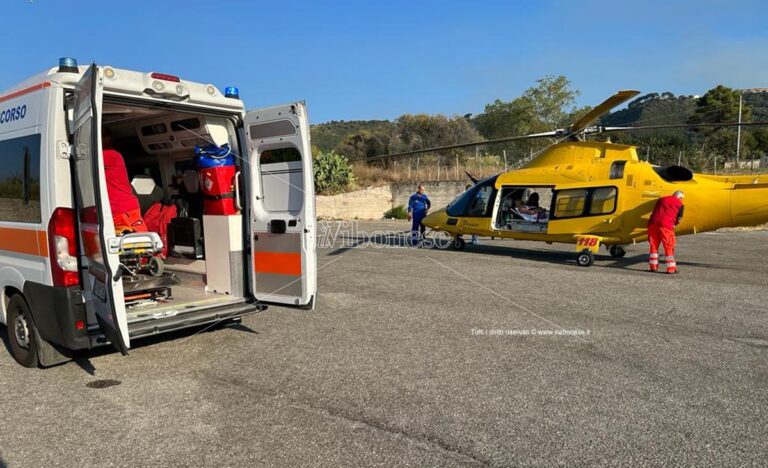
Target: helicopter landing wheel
585,258
617,251
458,243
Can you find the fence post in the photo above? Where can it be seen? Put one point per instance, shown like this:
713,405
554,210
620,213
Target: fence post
505,159
457,167
438,168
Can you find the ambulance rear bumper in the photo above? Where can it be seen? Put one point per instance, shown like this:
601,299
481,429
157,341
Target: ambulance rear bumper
57,312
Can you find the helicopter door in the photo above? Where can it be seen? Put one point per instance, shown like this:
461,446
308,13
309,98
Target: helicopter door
99,259
585,209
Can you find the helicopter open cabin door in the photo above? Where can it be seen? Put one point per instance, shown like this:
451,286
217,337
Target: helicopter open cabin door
282,205
99,259
522,208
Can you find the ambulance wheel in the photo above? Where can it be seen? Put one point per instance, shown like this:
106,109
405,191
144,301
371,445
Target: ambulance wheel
156,266
458,243
21,332
617,251
585,258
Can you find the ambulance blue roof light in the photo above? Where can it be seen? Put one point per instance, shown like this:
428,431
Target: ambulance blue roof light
232,92
68,64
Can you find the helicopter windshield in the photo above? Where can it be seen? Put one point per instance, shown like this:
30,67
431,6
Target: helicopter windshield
475,201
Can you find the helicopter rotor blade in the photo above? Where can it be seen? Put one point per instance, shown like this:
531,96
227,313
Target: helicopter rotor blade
663,126
602,108
436,149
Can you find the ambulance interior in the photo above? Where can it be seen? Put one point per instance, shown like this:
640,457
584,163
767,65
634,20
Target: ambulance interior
202,259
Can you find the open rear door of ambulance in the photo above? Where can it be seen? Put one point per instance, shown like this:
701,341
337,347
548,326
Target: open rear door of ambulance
99,260
282,205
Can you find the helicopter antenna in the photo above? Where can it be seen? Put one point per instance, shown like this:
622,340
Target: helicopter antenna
474,181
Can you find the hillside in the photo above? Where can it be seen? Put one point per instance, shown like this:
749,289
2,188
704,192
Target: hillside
653,109
328,135
649,109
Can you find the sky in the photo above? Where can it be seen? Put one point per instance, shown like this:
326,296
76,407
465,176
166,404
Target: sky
381,59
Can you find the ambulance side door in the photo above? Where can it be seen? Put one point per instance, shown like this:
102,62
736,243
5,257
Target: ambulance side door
282,221
99,261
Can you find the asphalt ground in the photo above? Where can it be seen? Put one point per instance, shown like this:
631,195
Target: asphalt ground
504,354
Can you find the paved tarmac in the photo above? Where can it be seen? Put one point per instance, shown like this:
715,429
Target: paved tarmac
505,354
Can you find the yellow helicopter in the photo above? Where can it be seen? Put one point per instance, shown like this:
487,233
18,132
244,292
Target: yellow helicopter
591,193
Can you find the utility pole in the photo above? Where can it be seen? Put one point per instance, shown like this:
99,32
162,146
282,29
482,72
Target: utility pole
738,131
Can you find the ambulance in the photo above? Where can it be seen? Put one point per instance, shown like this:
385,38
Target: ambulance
70,282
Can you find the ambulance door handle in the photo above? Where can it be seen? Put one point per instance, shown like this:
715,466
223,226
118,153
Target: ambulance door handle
237,191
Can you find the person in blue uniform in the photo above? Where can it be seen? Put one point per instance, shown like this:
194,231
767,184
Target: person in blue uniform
418,207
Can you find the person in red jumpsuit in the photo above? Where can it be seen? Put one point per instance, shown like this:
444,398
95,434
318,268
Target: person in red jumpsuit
661,230
126,211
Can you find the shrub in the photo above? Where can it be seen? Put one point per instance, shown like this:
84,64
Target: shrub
397,212
333,173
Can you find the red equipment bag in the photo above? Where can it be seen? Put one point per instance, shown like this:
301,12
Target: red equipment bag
157,218
217,184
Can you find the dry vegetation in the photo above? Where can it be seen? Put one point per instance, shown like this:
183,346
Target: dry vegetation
422,170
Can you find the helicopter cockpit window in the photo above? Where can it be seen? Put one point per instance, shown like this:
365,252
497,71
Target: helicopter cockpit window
476,201
478,204
617,169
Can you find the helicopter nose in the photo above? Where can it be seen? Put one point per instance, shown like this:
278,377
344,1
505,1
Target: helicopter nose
435,220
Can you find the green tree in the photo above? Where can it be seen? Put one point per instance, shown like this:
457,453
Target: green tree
547,106
721,105
333,173
428,131
365,144
552,100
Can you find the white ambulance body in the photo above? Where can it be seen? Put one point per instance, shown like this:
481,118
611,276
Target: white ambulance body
63,283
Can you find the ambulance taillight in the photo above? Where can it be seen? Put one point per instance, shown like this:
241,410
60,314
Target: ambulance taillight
62,247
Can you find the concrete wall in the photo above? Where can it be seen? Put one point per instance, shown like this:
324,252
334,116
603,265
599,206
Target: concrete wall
440,193
371,203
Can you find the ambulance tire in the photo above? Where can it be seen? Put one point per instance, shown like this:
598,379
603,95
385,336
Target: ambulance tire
156,266
617,251
458,243
585,258
21,332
